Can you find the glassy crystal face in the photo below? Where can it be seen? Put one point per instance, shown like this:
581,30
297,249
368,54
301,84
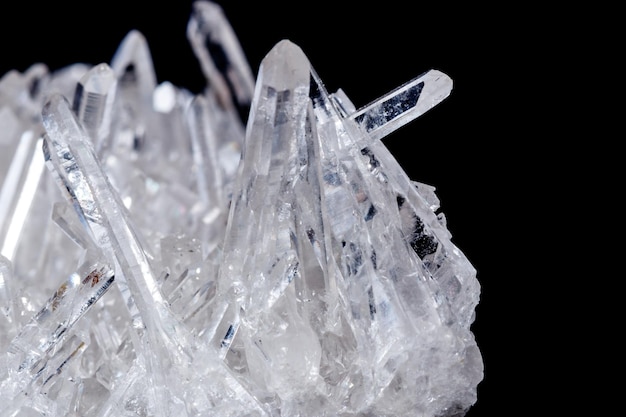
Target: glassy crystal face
160,256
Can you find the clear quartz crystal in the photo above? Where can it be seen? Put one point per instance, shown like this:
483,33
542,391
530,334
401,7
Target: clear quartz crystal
174,260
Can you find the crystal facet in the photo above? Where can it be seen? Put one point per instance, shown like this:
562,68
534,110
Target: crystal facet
250,250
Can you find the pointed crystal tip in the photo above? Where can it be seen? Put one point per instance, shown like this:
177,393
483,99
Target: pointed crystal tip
98,80
133,60
285,66
54,101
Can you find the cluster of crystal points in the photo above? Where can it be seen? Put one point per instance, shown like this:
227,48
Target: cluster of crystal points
173,260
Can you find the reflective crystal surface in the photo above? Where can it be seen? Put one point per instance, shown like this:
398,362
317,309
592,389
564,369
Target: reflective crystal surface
251,250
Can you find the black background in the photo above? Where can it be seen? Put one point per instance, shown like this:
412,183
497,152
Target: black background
472,147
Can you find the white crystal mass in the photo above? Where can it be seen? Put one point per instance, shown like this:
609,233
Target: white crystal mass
162,257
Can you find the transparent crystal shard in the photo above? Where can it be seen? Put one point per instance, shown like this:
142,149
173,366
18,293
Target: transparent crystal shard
172,137
93,101
8,138
81,175
65,217
219,53
18,190
190,284
37,354
21,93
63,81
20,151
132,64
210,176
281,109
217,136
216,116
403,104
272,346
67,305
136,81
8,319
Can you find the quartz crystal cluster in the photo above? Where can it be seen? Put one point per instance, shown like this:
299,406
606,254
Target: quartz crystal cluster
252,250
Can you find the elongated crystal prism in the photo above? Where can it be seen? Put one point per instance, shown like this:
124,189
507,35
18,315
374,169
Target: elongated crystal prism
210,34
93,101
404,104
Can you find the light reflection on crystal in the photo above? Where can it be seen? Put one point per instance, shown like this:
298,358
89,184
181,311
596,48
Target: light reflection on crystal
27,163
176,261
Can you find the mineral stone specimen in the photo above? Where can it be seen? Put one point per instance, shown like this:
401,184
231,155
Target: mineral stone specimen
161,256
